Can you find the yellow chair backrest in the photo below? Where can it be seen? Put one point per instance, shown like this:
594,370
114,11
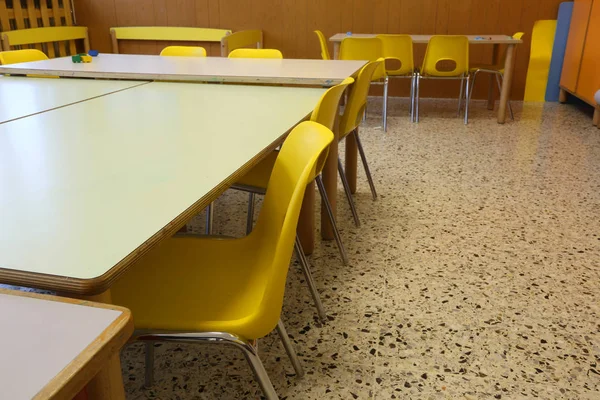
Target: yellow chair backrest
400,48
357,100
276,226
446,48
183,51
255,53
20,56
21,37
165,33
326,111
240,40
369,49
323,42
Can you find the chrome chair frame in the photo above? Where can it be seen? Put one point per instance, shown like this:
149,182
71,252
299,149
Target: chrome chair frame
248,347
499,80
463,79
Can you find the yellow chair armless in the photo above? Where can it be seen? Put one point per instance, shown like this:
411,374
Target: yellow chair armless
255,53
323,42
183,51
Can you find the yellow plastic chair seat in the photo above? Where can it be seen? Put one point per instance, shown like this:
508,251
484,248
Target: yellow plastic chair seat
255,53
21,56
369,49
197,285
398,48
446,48
258,176
183,51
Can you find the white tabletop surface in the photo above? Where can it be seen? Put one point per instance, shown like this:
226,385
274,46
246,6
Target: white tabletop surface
473,39
39,338
21,97
82,187
209,69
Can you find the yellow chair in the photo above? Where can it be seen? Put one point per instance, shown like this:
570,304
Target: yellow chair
241,39
369,49
255,53
349,123
257,180
44,36
446,49
399,48
183,51
228,291
21,56
497,70
323,42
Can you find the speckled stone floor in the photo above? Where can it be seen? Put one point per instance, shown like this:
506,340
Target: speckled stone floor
474,276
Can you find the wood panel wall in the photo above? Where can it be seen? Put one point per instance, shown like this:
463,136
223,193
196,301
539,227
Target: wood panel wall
288,24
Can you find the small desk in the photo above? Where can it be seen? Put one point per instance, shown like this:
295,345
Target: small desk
206,69
51,347
24,96
494,40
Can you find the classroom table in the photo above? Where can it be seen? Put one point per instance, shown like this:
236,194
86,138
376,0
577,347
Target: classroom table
24,96
87,189
203,69
494,40
51,347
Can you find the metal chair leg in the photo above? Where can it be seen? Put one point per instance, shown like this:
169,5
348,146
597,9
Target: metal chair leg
149,373
498,76
460,98
250,217
336,232
348,193
467,102
250,352
209,218
251,355
417,100
412,98
289,349
385,103
363,158
310,281
470,94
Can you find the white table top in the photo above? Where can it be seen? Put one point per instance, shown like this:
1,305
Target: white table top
41,338
85,188
21,97
473,39
207,69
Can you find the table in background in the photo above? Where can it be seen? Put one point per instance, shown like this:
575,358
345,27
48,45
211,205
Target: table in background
494,40
201,69
52,347
24,96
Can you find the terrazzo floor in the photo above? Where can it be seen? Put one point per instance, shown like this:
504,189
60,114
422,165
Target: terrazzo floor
474,276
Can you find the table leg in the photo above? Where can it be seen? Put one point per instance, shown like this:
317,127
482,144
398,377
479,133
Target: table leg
306,222
329,174
108,382
506,83
597,116
336,50
492,84
351,162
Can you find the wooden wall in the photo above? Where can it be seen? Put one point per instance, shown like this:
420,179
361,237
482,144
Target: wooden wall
288,24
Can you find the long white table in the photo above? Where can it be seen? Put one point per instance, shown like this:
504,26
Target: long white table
494,40
21,97
207,69
86,189
51,347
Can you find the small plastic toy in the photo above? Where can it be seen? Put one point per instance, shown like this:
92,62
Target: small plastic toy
81,58
348,33
93,53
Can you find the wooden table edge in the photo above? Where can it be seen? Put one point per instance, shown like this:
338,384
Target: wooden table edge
171,77
93,286
75,376
335,39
